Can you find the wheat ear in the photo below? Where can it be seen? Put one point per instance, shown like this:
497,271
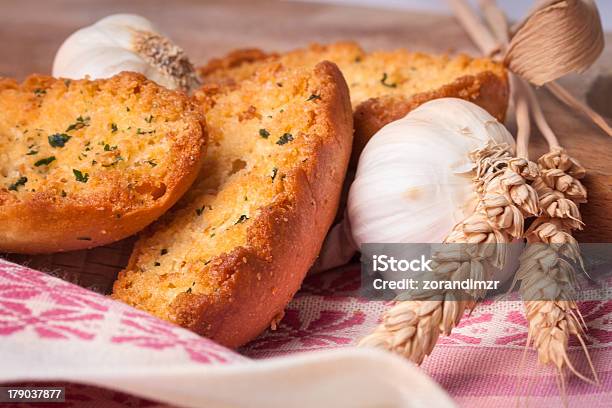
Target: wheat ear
546,270
550,322
411,328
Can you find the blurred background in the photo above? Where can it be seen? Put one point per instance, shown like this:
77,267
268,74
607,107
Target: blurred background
32,30
514,8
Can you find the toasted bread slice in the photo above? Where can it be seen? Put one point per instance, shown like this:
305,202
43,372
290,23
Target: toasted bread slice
84,163
384,85
228,258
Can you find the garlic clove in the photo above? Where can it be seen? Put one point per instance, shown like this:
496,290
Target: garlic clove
124,42
559,37
411,183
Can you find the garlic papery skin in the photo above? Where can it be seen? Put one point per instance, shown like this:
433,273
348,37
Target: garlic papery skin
414,179
124,42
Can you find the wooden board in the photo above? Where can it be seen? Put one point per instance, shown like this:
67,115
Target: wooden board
31,31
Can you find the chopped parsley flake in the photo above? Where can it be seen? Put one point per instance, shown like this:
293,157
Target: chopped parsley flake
45,162
264,133
20,182
144,132
39,91
274,172
114,127
284,139
32,152
108,148
80,123
242,219
384,81
149,119
200,210
163,251
152,163
80,177
58,139
313,97
188,290
156,264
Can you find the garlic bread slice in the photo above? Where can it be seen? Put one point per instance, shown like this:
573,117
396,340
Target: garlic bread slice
84,163
227,259
384,85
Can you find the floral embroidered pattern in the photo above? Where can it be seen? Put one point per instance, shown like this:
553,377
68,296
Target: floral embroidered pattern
330,329
24,283
145,331
37,308
53,323
35,304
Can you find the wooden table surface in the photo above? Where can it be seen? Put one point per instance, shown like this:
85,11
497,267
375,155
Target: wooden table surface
31,32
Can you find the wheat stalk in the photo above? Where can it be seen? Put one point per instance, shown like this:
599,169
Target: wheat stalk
544,271
411,328
551,323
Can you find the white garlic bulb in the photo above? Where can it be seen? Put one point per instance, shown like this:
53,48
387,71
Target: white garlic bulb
413,181
124,42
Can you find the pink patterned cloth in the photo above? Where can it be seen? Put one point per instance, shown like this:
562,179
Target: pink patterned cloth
478,365
36,306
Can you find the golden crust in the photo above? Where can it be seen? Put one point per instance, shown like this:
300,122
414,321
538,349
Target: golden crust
238,291
377,102
234,59
99,128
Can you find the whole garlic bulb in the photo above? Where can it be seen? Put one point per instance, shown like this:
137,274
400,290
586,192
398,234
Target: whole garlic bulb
124,42
414,181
